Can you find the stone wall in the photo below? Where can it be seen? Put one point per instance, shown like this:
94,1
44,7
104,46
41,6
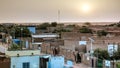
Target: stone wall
71,44
74,35
102,42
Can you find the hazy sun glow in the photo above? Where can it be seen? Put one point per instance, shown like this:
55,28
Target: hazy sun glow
86,8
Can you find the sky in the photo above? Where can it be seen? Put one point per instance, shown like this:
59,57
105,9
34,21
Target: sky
12,11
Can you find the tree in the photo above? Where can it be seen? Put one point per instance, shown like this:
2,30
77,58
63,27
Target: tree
87,24
118,24
71,26
116,55
14,46
3,28
22,32
54,24
115,24
13,30
43,26
26,32
85,30
101,54
102,33
61,30
8,28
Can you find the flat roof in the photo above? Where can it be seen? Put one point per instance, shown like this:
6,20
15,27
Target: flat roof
37,43
45,36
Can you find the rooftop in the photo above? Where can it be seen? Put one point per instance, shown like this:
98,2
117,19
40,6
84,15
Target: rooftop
22,52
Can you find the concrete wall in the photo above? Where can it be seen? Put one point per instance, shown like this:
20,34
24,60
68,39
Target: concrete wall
74,35
56,62
74,45
71,44
2,49
18,61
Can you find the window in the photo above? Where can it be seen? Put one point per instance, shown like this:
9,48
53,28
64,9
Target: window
26,65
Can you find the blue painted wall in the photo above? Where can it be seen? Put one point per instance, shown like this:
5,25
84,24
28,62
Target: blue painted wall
17,41
32,29
18,61
26,44
56,62
69,63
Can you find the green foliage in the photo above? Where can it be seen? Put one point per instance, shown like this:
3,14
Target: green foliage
118,65
85,30
99,63
102,33
116,55
2,29
61,30
26,32
71,26
15,30
14,46
87,24
54,24
22,32
43,26
101,54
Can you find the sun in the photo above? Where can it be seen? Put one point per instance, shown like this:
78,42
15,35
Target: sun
86,8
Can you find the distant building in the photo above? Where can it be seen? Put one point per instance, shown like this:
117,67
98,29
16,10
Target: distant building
45,37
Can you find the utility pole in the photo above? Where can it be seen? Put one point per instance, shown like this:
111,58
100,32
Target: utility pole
91,52
21,39
113,55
